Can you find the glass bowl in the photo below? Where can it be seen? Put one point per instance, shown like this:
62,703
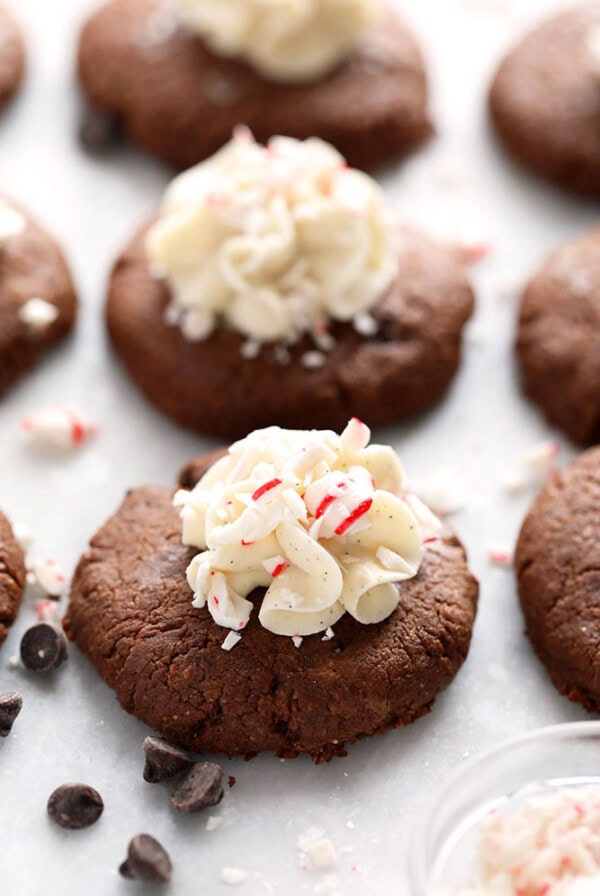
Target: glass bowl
442,856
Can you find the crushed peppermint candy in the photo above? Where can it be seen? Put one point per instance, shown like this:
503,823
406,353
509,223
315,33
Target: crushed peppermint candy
47,577
532,467
46,612
59,426
38,314
313,360
297,639
501,556
213,822
365,324
318,520
471,253
315,850
233,876
230,641
549,846
329,634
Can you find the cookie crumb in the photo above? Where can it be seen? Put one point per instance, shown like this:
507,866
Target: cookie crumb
230,641
233,876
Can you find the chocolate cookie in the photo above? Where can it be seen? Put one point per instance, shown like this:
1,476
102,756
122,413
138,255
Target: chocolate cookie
130,612
209,386
558,568
12,55
545,101
32,267
180,102
12,577
558,340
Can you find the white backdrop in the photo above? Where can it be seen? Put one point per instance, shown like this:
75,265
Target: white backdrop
71,727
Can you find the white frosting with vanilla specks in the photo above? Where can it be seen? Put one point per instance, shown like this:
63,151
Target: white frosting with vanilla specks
550,846
285,40
314,517
272,241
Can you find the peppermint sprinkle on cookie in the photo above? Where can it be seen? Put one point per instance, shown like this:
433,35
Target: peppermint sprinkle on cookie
230,641
38,314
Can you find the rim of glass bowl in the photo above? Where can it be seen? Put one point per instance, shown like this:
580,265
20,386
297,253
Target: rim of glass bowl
418,854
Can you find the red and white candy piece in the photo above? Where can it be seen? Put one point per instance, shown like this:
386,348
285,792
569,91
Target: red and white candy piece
47,576
471,253
500,555
59,426
46,612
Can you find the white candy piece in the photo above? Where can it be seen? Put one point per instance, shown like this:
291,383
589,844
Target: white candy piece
500,555
233,876
230,641
59,426
38,314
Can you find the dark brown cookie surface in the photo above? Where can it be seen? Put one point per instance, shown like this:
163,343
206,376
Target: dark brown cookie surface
130,612
558,569
12,55
12,577
558,339
210,387
31,266
545,101
180,102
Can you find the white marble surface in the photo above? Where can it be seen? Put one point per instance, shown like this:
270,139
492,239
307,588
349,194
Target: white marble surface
71,727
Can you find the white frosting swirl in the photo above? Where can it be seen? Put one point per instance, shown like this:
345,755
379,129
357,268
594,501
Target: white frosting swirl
315,518
274,241
285,40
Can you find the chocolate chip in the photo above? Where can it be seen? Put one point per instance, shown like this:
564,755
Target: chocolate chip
202,787
146,860
43,648
75,806
164,760
10,707
98,130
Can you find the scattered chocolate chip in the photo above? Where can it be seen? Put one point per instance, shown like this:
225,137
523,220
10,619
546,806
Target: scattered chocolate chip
75,806
202,787
231,781
164,760
10,707
146,860
98,130
43,648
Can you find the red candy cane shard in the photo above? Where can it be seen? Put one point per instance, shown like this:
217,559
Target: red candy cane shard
278,569
325,503
356,514
266,487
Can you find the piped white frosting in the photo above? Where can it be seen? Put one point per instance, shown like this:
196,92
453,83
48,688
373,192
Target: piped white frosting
285,40
272,241
316,518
